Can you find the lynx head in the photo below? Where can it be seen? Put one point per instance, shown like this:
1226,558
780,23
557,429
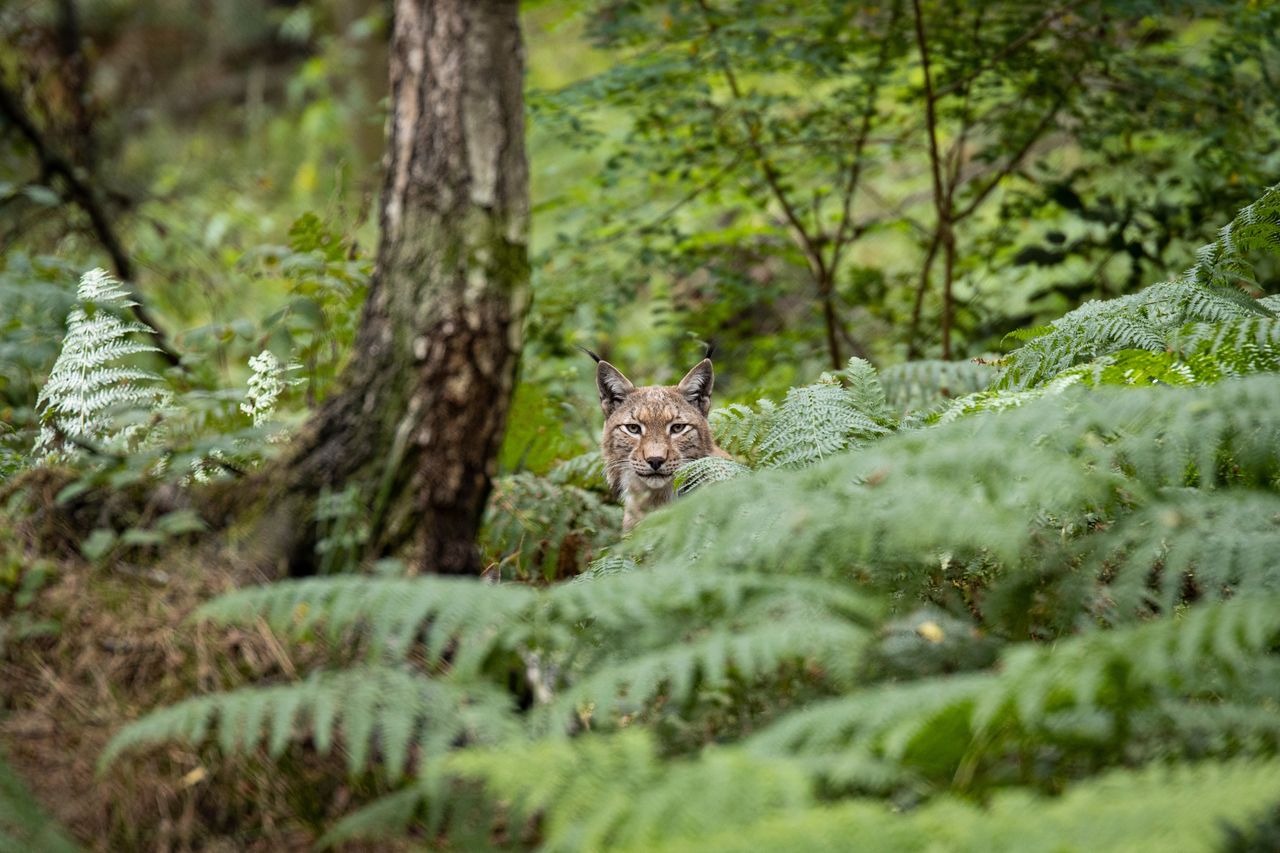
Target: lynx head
651,431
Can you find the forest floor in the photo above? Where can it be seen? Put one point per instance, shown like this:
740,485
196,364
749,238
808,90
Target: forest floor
121,644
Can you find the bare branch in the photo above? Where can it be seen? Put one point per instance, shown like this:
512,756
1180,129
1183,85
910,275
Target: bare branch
81,194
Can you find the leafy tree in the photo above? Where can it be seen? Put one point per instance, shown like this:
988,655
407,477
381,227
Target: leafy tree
859,164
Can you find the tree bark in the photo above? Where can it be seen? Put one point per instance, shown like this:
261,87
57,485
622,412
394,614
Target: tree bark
416,425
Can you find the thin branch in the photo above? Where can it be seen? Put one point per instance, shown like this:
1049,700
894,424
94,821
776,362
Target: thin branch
767,169
1014,160
1048,20
843,235
917,309
83,196
688,197
931,117
942,236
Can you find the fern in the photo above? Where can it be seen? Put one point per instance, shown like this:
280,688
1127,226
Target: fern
1125,689
672,632
586,471
91,377
840,411
889,512
739,429
1145,811
1206,293
708,469
377,711
613,793
917,385
23,824
392,617
539,527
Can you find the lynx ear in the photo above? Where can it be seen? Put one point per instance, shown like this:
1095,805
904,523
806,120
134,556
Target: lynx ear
696,385
612,385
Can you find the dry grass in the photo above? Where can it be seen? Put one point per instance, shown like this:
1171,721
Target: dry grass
125,647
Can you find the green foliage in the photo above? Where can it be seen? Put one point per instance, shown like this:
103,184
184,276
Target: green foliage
1202,314
1137,693
863,617
914,588
614,793
23,824
915,385
840,411
548,528
1153,809
387,711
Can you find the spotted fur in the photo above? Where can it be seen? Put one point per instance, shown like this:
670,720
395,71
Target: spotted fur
651,431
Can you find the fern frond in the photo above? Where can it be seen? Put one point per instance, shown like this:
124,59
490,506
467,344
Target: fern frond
609,565
1151,810
87,381
537,526
389,615
1085,694
814,422
598,793
888,511
920,384
380,713
708,469
586,471
23,823
1219,543
740,429
1206,293
669,631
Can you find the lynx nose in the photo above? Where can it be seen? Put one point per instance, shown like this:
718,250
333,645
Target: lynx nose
655,462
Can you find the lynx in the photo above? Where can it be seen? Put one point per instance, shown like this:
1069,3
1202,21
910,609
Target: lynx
651,431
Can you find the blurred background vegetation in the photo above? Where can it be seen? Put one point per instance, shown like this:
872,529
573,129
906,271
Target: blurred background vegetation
759,175
909,182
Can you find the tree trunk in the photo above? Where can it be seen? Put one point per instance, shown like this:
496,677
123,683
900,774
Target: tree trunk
422,405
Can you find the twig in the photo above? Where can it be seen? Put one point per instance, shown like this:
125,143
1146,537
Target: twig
83,196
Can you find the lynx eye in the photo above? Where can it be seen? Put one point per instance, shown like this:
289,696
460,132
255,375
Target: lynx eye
676,429
634,429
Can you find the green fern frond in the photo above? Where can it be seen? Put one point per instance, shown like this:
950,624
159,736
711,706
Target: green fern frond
814,422
614,793
1151,810
1235,347
386,817
538,527
920,384
391,616
1215,542
1096,691
586,471
612,564
896,506
671,631
708,469
380,714
1206,293
24,826
740,429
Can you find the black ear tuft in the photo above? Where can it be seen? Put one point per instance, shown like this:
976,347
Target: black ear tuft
711,350
697,384
597,359
612,385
